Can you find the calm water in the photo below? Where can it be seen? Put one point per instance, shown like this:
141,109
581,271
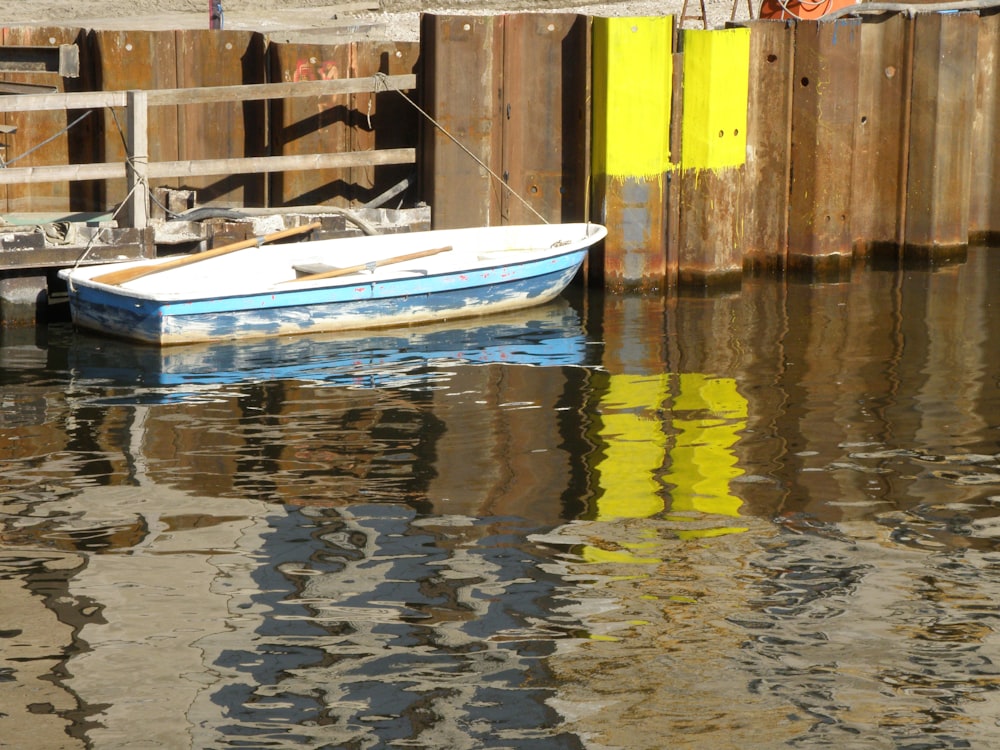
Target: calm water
765,519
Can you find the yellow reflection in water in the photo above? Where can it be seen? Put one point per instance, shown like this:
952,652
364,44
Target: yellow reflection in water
654,438
708,416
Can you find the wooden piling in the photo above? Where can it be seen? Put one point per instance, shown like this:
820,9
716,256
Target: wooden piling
633,81
764,207
880,162
984,208
29,129
546,117
824,113
713,156
940,145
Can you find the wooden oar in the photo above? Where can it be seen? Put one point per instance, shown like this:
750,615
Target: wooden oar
348,270
130,274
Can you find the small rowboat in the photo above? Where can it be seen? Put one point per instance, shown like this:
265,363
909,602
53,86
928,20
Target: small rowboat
329,285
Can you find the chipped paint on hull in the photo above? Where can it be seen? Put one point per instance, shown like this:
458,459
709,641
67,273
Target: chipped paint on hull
360,301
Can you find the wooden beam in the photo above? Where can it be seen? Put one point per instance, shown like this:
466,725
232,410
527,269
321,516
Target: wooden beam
80,172
209,94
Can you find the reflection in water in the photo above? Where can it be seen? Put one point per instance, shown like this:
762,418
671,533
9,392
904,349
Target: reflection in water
762,519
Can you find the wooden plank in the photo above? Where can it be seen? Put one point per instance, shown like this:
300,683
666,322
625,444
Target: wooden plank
546,117
63,59
713,156
252,92
769,120
824,113
136,206
39,138
164,170
462,83
222,128
940,145
984,208
880,157
633,99
310,124
384,119
126,60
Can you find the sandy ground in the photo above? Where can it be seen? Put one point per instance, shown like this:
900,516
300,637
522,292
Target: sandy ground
384,19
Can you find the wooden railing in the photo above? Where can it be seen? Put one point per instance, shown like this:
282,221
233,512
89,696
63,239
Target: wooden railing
138,170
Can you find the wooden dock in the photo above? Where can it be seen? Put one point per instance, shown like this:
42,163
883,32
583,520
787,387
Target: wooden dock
772,146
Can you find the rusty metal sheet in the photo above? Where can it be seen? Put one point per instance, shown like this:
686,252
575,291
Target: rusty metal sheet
880,158
940,145
384,119
546,116
309,125
224,129
764,205
824,114
710,250
141,60
461,88
33,128
984,209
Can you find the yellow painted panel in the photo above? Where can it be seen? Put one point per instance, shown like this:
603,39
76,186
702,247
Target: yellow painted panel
633,79
716,85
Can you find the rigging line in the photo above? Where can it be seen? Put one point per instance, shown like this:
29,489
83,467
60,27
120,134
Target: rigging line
47,140
380,85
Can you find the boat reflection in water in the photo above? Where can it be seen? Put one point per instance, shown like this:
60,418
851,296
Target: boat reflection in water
315,541
550,335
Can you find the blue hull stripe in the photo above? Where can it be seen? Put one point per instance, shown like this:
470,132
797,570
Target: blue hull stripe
360,305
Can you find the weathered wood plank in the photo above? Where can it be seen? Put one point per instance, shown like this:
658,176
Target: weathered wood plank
462,86
384,119
633,91
251,92
168,169
713,156
546,117
764,204
222,128
984,207
880,143
824,113
28,146
940,145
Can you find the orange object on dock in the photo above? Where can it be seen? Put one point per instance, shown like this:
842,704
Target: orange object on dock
801,9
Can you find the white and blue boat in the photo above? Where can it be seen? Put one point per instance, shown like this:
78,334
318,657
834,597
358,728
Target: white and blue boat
330,285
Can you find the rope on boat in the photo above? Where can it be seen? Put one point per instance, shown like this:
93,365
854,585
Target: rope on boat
381,85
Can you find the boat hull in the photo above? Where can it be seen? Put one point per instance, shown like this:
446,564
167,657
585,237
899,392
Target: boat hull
359,302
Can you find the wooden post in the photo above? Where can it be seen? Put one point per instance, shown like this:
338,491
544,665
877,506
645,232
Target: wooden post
764,206
984,210
880,141
137,166
940,146
633,81
713,156
824,115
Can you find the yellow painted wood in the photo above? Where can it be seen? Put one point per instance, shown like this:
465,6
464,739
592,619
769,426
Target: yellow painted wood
716,84
633,72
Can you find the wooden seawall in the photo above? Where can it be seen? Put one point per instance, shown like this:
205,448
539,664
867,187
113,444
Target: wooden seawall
770,146
795,147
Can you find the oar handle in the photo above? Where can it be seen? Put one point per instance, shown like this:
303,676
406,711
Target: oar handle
363,266
130,274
